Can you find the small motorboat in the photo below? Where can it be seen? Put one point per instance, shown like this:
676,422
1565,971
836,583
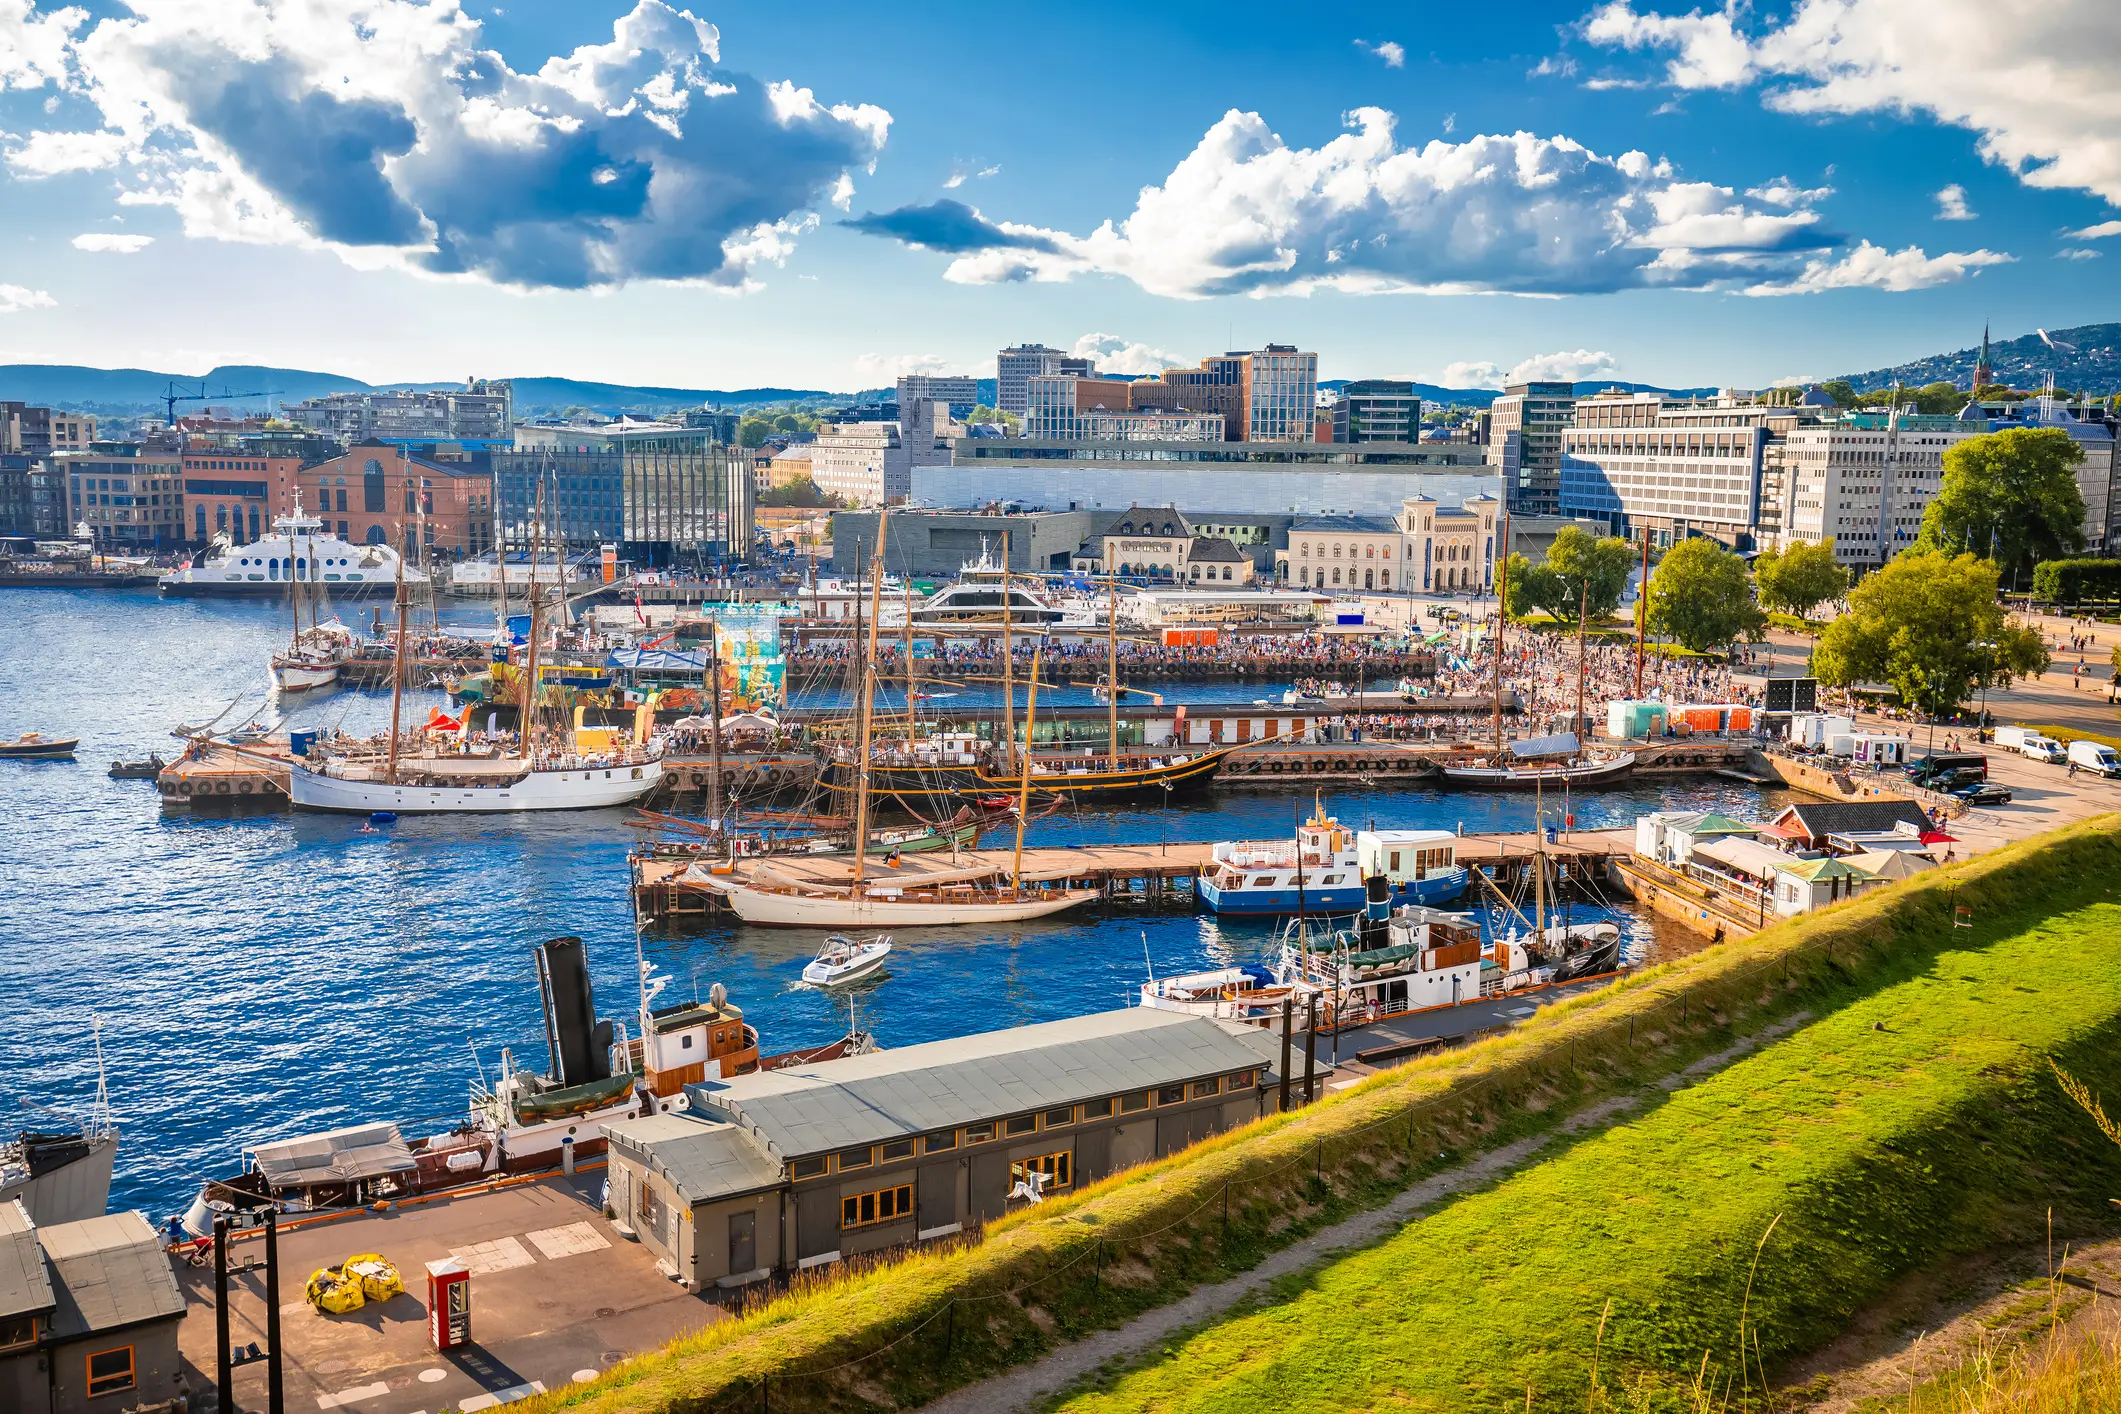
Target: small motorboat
35,746
147,770
842,960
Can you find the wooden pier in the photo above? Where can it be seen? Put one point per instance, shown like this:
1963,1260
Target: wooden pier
684,880
228,778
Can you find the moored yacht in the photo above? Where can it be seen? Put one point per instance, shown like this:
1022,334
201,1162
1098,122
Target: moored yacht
1328,869
266,568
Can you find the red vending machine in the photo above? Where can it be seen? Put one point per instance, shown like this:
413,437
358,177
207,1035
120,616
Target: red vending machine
448,1304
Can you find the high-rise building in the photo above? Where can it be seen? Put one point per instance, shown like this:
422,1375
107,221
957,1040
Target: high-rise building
1213,388
1540,412
1280,387
1863,480
1377,410
1013,368
40,431
1068,408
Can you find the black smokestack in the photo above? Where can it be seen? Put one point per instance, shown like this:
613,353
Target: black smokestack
571,1031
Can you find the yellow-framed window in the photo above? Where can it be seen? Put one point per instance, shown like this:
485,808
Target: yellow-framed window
1059,1169
110,1371
882,1206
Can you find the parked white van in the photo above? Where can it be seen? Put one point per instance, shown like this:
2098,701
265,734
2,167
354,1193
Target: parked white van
2042,748
2093,756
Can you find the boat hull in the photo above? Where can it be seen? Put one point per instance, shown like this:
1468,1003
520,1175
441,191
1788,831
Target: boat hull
932,782
1274,903
1602,773
775,910
173,586
37,751
538,790
304,677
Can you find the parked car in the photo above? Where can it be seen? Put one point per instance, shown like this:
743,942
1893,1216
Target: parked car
2042,748
1955,780
1928,770
1984,793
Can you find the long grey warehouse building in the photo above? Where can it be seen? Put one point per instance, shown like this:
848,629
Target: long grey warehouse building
789,1169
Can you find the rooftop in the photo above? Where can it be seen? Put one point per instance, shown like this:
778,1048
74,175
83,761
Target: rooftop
24,1285
1349,525
942,1084
111,1272
702,1157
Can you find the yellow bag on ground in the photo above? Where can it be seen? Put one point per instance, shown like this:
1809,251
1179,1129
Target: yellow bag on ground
334,1292
377,1274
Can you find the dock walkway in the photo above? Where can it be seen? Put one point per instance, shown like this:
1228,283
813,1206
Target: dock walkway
670,884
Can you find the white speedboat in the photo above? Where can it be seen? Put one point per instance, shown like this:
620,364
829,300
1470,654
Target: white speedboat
842,960
1243,994
294,551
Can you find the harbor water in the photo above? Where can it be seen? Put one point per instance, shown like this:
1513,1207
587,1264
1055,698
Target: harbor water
266,976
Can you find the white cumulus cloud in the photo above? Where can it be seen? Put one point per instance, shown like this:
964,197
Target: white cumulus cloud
2079,253
1951,204
14,298
2098,232
390,133
1117,355
885,367
1566,366
113,242
1784,192
1391,51
1245,213
1479,374
2039,97
1874,267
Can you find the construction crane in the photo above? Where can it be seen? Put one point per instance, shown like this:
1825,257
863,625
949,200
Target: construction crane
172,397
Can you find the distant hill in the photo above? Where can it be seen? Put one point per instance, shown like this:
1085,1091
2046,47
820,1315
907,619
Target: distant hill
137,391
2023,362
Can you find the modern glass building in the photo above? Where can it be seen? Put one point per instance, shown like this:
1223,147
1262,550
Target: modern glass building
691,506
1280,394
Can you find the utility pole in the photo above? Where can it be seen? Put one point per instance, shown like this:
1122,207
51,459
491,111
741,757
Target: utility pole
1642,610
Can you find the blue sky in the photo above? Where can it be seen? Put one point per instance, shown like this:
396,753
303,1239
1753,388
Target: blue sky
362,188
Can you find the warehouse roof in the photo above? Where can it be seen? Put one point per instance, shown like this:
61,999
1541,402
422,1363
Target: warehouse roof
864,1099
110,1272
701,1159
24,1286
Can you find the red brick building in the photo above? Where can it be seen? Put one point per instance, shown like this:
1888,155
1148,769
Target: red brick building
379,493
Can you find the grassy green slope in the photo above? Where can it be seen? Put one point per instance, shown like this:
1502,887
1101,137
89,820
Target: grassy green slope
1877,1149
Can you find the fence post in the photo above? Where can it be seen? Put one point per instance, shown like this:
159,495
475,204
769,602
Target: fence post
950,1329
1318,1162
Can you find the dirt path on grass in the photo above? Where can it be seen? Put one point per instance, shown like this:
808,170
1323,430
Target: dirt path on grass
1039,1381
1937,1321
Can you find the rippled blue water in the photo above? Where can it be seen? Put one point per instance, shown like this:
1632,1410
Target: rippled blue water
274,975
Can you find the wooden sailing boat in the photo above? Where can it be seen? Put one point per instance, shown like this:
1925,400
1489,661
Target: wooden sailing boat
897,899
459,782
1558,759
313,654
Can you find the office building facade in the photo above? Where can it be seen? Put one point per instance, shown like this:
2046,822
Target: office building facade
130,496
1015,367
481,413
1280,388
959,394
570,501
1678,469
41,431
1377,410
1538,413
1067,407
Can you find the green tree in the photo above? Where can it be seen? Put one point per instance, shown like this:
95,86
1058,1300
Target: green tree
1801,578
753,431
1701,596
1532,589
1841,391
1937,398
1929,624
1601,563
2010,495
802,492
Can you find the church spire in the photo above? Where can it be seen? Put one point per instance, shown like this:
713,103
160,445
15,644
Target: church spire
1984,375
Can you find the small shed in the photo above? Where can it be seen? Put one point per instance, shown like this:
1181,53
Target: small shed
88,1314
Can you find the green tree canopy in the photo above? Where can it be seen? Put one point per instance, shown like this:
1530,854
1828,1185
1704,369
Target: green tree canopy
801,492
2010,495
1841,391
1531,589
1557,584
1801,578
1929,624
1701,596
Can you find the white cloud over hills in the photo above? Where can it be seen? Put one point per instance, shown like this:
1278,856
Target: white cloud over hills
384,130
1246,213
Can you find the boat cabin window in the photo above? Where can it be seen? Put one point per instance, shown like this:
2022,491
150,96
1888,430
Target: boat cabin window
1202,1089
1019,1124
942,1143
807,1168
853,1159
1139,1100
685,1042
898,1149
1393,867
978,1133
1054,1119
1097,1109
1171,1095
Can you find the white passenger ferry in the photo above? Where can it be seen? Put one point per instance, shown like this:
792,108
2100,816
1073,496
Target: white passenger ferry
268,567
